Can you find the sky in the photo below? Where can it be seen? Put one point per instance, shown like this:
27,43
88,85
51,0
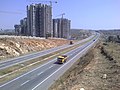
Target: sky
84,14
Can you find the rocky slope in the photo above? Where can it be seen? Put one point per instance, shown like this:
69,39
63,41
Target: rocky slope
11,47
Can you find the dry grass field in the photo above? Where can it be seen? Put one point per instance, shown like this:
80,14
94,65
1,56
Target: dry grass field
99,69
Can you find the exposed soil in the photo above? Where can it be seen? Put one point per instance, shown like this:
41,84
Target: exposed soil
11,47
97,70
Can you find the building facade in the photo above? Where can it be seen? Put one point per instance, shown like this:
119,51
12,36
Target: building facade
23,24
61,28
55,28
31,20
39,23
39,17
17,29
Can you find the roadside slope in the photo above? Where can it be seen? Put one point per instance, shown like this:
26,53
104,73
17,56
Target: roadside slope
11,47
95,71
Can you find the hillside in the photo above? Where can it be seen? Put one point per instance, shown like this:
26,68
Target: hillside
99,69
11,47
80,33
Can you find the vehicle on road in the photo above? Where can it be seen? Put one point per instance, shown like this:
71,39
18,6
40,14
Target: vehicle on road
71,42
61,59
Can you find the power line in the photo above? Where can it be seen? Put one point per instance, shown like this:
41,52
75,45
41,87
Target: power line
10,12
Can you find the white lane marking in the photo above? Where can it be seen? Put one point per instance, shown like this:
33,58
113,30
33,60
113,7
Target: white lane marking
38,53
46,50
49,50
51,74
59,47
2,65
27,73
39,73
45,70
61,67
48,68
51,66
24,82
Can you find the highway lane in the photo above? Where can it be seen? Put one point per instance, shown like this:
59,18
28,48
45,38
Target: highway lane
48,81
28,57
38,76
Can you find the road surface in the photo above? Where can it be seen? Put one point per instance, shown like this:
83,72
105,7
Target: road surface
42,77
28,57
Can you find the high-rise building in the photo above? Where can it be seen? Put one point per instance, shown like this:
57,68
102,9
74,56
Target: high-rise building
61,28
23,24
17,30
39,23
65,28
55,28
39,17
31,20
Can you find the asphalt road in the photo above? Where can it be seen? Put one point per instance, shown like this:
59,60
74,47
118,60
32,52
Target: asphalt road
28,57
42,77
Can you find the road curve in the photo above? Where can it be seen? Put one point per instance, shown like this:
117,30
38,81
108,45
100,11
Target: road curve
28,57
42,77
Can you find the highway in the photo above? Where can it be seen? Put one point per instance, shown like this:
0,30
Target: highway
42,77
17,60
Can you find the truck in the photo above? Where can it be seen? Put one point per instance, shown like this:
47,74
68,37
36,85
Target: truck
61,59
71,42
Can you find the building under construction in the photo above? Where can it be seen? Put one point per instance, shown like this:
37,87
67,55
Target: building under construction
39,23
61,28
39,17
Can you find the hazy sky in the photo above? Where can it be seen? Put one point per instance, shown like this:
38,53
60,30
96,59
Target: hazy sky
84,14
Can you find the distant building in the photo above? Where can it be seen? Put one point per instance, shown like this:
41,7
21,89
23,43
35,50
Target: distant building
21,29
61,28
23,24
31,20
39,23
17,30
65,26
55,28
39,17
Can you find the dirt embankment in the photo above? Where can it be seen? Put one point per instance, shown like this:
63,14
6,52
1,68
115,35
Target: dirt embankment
11,47
97,70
